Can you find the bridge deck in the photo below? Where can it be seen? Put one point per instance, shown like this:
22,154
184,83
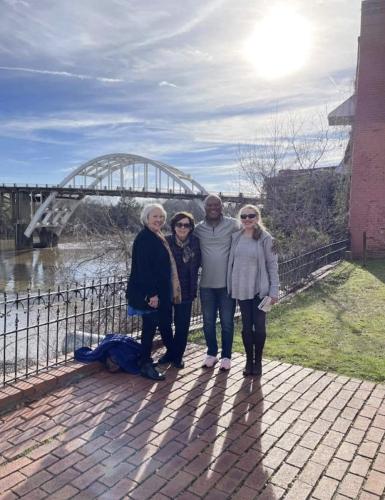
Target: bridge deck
79,192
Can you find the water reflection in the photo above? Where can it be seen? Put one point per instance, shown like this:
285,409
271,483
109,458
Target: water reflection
44,268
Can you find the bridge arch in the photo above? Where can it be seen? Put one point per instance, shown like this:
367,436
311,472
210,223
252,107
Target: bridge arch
109,173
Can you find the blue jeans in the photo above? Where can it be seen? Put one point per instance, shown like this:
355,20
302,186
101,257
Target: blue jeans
214,300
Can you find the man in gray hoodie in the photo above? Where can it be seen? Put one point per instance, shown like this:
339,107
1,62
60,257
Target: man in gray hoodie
214,234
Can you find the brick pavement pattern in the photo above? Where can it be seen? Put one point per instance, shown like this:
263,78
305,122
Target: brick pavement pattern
296,434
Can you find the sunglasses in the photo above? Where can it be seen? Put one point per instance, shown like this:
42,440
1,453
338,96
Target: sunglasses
182,224
248,216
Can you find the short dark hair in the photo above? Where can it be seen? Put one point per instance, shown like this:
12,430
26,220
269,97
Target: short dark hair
179,216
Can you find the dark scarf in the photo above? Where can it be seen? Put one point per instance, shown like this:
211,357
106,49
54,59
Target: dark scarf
186,249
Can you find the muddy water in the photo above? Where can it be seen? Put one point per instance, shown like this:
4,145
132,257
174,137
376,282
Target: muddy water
46,268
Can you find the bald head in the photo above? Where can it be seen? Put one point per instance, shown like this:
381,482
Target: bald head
211,196
213,207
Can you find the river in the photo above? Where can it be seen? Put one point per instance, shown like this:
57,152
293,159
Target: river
47,268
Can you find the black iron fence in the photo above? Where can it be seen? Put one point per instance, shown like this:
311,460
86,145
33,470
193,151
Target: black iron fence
296,271
42,330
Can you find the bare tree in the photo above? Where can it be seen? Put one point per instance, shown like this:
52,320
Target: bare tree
264,158
108,232
304,202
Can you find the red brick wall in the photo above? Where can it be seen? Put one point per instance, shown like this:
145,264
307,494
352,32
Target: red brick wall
367,203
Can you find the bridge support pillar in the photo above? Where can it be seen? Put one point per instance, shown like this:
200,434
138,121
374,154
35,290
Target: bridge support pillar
21,241
48,238
21,213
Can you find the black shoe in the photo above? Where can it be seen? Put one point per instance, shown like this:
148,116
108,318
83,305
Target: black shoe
142,363
248,369
165,359
148,371
178,364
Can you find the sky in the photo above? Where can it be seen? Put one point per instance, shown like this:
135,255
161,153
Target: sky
184,82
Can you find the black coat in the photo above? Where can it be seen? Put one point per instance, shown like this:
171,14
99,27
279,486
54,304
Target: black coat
150,271
187,273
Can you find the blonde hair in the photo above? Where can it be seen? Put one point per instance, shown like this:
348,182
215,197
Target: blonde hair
259,227
256,210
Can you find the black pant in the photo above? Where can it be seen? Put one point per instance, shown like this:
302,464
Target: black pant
253,328
162,319
182,316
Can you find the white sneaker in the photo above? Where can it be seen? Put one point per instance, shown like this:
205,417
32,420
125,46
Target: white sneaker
225,364
210,361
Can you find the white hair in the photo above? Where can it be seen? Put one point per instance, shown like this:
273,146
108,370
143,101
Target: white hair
148,209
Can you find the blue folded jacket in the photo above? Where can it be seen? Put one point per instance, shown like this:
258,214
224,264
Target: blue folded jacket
121,349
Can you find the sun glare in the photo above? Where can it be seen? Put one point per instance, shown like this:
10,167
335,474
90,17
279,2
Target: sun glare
280,44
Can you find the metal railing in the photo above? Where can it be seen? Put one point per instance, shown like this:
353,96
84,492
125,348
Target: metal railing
42,330
295,272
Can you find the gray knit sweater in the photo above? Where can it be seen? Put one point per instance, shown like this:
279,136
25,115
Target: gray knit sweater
263,265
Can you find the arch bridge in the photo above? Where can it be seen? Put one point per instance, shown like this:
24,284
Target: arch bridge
109,174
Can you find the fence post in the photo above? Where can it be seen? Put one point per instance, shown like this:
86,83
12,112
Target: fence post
364,249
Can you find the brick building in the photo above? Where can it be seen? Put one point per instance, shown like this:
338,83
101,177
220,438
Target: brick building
366,112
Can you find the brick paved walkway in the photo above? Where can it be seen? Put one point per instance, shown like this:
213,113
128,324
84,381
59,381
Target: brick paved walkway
202,434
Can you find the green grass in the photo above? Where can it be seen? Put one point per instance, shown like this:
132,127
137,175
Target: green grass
336,325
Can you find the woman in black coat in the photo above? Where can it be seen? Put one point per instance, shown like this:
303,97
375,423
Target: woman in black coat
187,255
152,286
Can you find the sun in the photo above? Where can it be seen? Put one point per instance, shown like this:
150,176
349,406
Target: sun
280,44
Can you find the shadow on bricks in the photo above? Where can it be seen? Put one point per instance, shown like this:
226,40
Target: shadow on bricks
199,434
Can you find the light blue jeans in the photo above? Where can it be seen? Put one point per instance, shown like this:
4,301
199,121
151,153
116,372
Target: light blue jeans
214,300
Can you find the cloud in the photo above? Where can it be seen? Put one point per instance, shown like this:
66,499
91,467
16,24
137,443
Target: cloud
61,73
67,122
75,111
164,83
13,3
69,130
205,10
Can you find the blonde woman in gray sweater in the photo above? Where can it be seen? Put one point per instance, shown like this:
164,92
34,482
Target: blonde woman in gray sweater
252,275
